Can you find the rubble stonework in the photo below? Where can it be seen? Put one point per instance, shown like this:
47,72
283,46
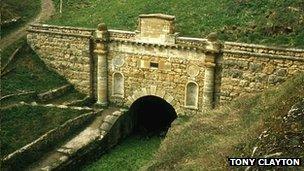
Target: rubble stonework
248,68
192,74
67,50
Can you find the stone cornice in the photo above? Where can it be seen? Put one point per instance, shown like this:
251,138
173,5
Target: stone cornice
61,27
293,58
161,16
59,33
263,51
228,45
171,46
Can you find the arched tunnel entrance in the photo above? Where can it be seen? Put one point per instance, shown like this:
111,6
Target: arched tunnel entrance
152,115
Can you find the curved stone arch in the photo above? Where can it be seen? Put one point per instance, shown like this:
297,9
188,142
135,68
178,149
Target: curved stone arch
195,105
121,92
154,91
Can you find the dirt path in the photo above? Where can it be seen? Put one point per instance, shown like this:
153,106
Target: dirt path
47,9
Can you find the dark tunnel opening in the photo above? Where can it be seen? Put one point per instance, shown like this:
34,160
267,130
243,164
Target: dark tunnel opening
152,115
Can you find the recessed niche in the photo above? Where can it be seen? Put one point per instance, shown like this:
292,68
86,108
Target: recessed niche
153,65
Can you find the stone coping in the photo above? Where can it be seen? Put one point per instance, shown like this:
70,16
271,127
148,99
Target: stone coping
257,46
59,33
121,31
192,39
62,27
267,55
158,15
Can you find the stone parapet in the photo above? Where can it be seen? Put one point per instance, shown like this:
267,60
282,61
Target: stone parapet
263,51
121,35
60,29
191,42
67,50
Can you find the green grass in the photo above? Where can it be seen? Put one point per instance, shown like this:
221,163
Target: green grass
30,74
206,141
272,22
23,124
133,153
26,9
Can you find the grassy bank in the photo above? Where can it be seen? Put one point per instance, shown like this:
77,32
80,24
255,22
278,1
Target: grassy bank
30,74
26,9
131,154
206,141
272,22
23,124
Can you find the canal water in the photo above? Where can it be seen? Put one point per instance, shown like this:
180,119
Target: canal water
131,154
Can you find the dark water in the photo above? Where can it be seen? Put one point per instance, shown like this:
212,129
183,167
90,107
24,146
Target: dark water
131,154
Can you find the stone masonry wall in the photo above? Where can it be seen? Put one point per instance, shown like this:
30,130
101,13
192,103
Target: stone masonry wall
249,68
171,76
67,50
118,67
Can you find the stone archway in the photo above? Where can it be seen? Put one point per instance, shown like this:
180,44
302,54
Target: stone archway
153,90
152,115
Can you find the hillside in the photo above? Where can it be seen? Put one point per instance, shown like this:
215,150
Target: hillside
20,124
264,121
272,22
15,13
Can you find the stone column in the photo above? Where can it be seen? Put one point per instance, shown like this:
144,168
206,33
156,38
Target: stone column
212,51
101,52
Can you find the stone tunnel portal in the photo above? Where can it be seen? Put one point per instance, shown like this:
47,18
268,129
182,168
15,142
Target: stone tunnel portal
152,115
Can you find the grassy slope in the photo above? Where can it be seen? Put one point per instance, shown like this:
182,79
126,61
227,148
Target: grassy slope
275,22
26,9
205,142
22,125
30,74
131,154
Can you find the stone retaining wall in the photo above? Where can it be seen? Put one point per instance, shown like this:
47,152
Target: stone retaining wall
248,68
67,50
34,150
155,60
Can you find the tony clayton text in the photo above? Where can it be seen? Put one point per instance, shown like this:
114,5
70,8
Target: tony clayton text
264,161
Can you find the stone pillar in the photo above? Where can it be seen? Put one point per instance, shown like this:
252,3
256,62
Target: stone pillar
212,51
101,52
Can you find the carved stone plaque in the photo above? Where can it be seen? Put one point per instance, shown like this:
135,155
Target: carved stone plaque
118,61
193,71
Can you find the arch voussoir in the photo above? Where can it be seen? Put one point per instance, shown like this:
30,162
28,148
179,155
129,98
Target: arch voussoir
154,91
144,91
130,100
136,94
168,98
160,92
